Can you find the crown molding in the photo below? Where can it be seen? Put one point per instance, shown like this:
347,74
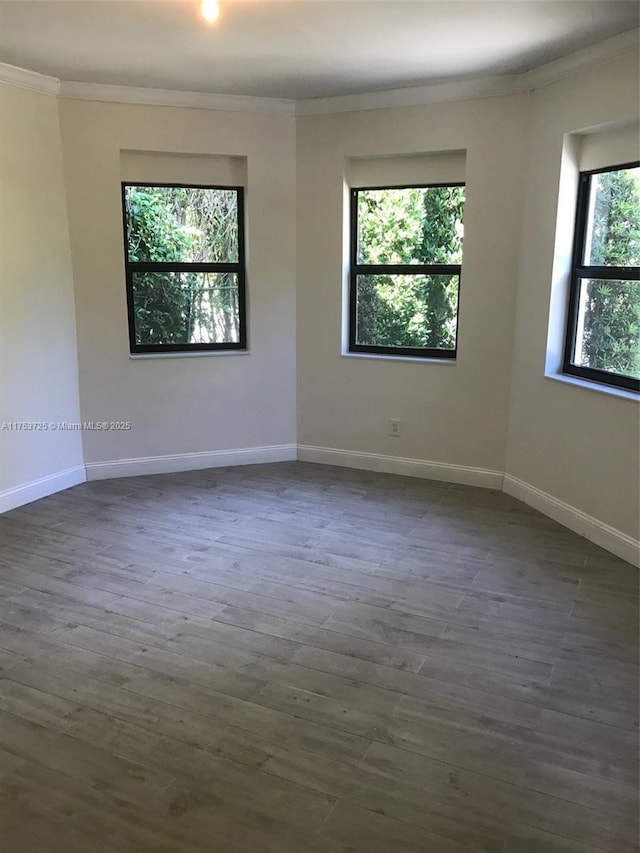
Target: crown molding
463,90
29,79
174,98
413,96
551,72
507,84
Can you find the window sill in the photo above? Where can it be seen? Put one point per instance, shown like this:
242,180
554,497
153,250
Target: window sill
379,357
135,356
593,386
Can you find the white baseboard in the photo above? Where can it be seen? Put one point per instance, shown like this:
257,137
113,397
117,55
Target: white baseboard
36,489
607,537
190,461
449,473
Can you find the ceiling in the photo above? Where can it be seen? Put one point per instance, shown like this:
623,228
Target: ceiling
302,48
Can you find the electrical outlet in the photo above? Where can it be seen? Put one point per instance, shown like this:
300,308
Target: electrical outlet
394,427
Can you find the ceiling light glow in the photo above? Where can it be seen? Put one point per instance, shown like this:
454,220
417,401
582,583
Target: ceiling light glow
210,10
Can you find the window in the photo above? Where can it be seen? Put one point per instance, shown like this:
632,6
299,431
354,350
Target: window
185,268
406,254
603,326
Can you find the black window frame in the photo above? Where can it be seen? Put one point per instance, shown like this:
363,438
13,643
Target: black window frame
579,271
238,267
356,269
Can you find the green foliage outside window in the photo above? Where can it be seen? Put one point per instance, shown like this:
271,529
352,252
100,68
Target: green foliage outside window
176,225
409,226
611,308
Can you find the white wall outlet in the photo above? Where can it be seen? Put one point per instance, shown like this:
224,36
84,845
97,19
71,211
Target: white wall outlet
394,427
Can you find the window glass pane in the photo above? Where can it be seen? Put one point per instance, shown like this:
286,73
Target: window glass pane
608,328
613,221
410,226
181,225
185,308
407,311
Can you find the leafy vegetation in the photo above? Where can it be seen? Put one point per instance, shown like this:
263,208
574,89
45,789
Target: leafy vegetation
409,226
610,315
175,225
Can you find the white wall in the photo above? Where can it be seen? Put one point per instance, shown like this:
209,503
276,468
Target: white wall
451,413
181,405
580,445
38,361
492,410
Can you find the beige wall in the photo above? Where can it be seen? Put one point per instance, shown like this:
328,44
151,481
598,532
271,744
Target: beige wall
493,409
577,444
450,413
38,361
181,404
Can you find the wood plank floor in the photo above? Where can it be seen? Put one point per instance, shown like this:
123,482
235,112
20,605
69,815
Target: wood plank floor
295,658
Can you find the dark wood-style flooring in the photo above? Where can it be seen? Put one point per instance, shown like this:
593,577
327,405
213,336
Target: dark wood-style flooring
302,659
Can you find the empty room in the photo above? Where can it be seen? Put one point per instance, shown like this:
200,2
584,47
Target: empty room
319,426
